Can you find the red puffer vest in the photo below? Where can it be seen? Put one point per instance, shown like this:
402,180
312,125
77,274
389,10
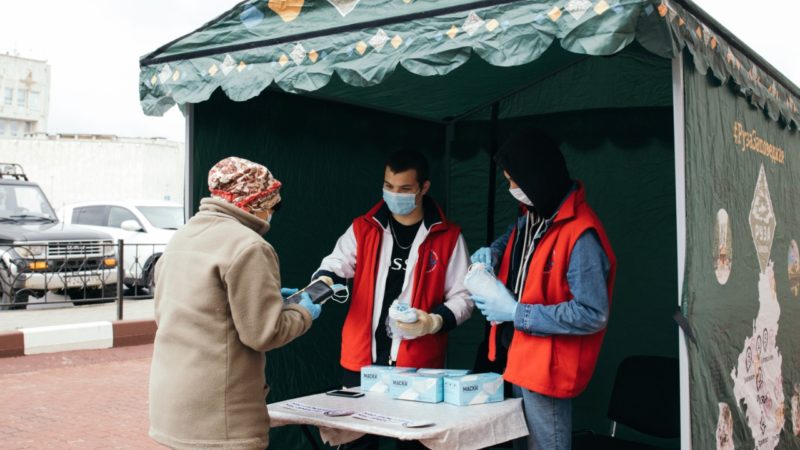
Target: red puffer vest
429,276
556,365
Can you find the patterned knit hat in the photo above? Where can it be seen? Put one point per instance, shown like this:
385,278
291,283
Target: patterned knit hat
248,185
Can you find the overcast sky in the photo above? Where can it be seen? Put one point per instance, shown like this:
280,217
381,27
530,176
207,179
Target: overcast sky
94,46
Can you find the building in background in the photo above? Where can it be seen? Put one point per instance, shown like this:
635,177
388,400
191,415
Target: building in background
24,95
79,168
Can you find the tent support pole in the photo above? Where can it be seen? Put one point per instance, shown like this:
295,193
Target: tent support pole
449,134
679,124
188,164
493,145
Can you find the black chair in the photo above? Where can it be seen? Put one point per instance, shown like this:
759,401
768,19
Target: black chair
645,398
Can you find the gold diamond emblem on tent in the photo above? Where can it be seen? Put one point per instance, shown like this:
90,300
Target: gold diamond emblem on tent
492,25
283,60
313,56
407,1
762,219
713,43
753,74
361,47
213,70
452,32
396,41
601,7
288,10
773,90
176,75
379,40
681,22
153,80
241,66
554,13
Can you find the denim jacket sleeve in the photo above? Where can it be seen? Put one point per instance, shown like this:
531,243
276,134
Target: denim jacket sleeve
498,247
587,312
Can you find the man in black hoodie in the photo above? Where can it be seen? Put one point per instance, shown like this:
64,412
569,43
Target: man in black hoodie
555,269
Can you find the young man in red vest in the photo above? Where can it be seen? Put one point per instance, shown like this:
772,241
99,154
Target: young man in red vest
403,249
555,276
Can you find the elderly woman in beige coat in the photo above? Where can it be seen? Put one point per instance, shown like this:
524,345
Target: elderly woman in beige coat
218,307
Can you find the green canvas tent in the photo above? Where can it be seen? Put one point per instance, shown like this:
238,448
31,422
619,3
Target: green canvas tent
685,138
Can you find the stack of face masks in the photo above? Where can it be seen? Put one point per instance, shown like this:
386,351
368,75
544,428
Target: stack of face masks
481,282
399,312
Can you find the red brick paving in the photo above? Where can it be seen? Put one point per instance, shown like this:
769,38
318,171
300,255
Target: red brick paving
95,399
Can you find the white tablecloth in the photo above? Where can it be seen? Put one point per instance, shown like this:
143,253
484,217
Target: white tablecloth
455,427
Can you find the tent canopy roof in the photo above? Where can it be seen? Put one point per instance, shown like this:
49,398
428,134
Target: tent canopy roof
385,53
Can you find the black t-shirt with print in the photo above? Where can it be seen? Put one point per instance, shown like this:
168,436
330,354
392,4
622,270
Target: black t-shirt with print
403,238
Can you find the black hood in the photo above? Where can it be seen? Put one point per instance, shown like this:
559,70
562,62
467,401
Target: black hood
535,163
37,232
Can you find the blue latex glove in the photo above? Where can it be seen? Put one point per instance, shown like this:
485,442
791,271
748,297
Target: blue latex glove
483,255
286,292
498,309
314,309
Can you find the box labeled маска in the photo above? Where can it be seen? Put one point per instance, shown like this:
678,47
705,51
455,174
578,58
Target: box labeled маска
378,378
473,389
417,387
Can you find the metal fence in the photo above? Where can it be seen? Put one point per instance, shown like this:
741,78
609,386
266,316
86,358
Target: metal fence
76,273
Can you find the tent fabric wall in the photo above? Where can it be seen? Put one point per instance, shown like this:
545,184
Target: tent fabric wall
742,275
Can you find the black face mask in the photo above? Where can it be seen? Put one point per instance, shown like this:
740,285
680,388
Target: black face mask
533,160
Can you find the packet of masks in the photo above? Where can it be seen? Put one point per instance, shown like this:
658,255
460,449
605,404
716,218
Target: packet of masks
474,389
480,281
399,312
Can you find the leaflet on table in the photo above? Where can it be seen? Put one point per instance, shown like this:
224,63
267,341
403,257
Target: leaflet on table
375,417
307,408
473,389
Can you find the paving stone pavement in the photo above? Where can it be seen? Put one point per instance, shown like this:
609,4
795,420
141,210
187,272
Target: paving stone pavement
92,399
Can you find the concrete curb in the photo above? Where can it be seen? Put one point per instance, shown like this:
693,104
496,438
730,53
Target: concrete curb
80,336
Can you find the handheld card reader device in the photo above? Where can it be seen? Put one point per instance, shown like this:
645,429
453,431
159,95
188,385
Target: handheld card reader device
319,290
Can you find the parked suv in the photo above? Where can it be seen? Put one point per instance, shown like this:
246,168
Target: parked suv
145,227
40,254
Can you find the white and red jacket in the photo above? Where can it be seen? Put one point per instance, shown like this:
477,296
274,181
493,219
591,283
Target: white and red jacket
436,286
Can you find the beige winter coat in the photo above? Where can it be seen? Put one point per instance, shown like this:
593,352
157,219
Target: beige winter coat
218,308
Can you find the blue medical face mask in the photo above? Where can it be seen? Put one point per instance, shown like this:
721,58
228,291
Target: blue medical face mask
400,204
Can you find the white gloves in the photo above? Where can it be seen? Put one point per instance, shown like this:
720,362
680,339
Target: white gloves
425,324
